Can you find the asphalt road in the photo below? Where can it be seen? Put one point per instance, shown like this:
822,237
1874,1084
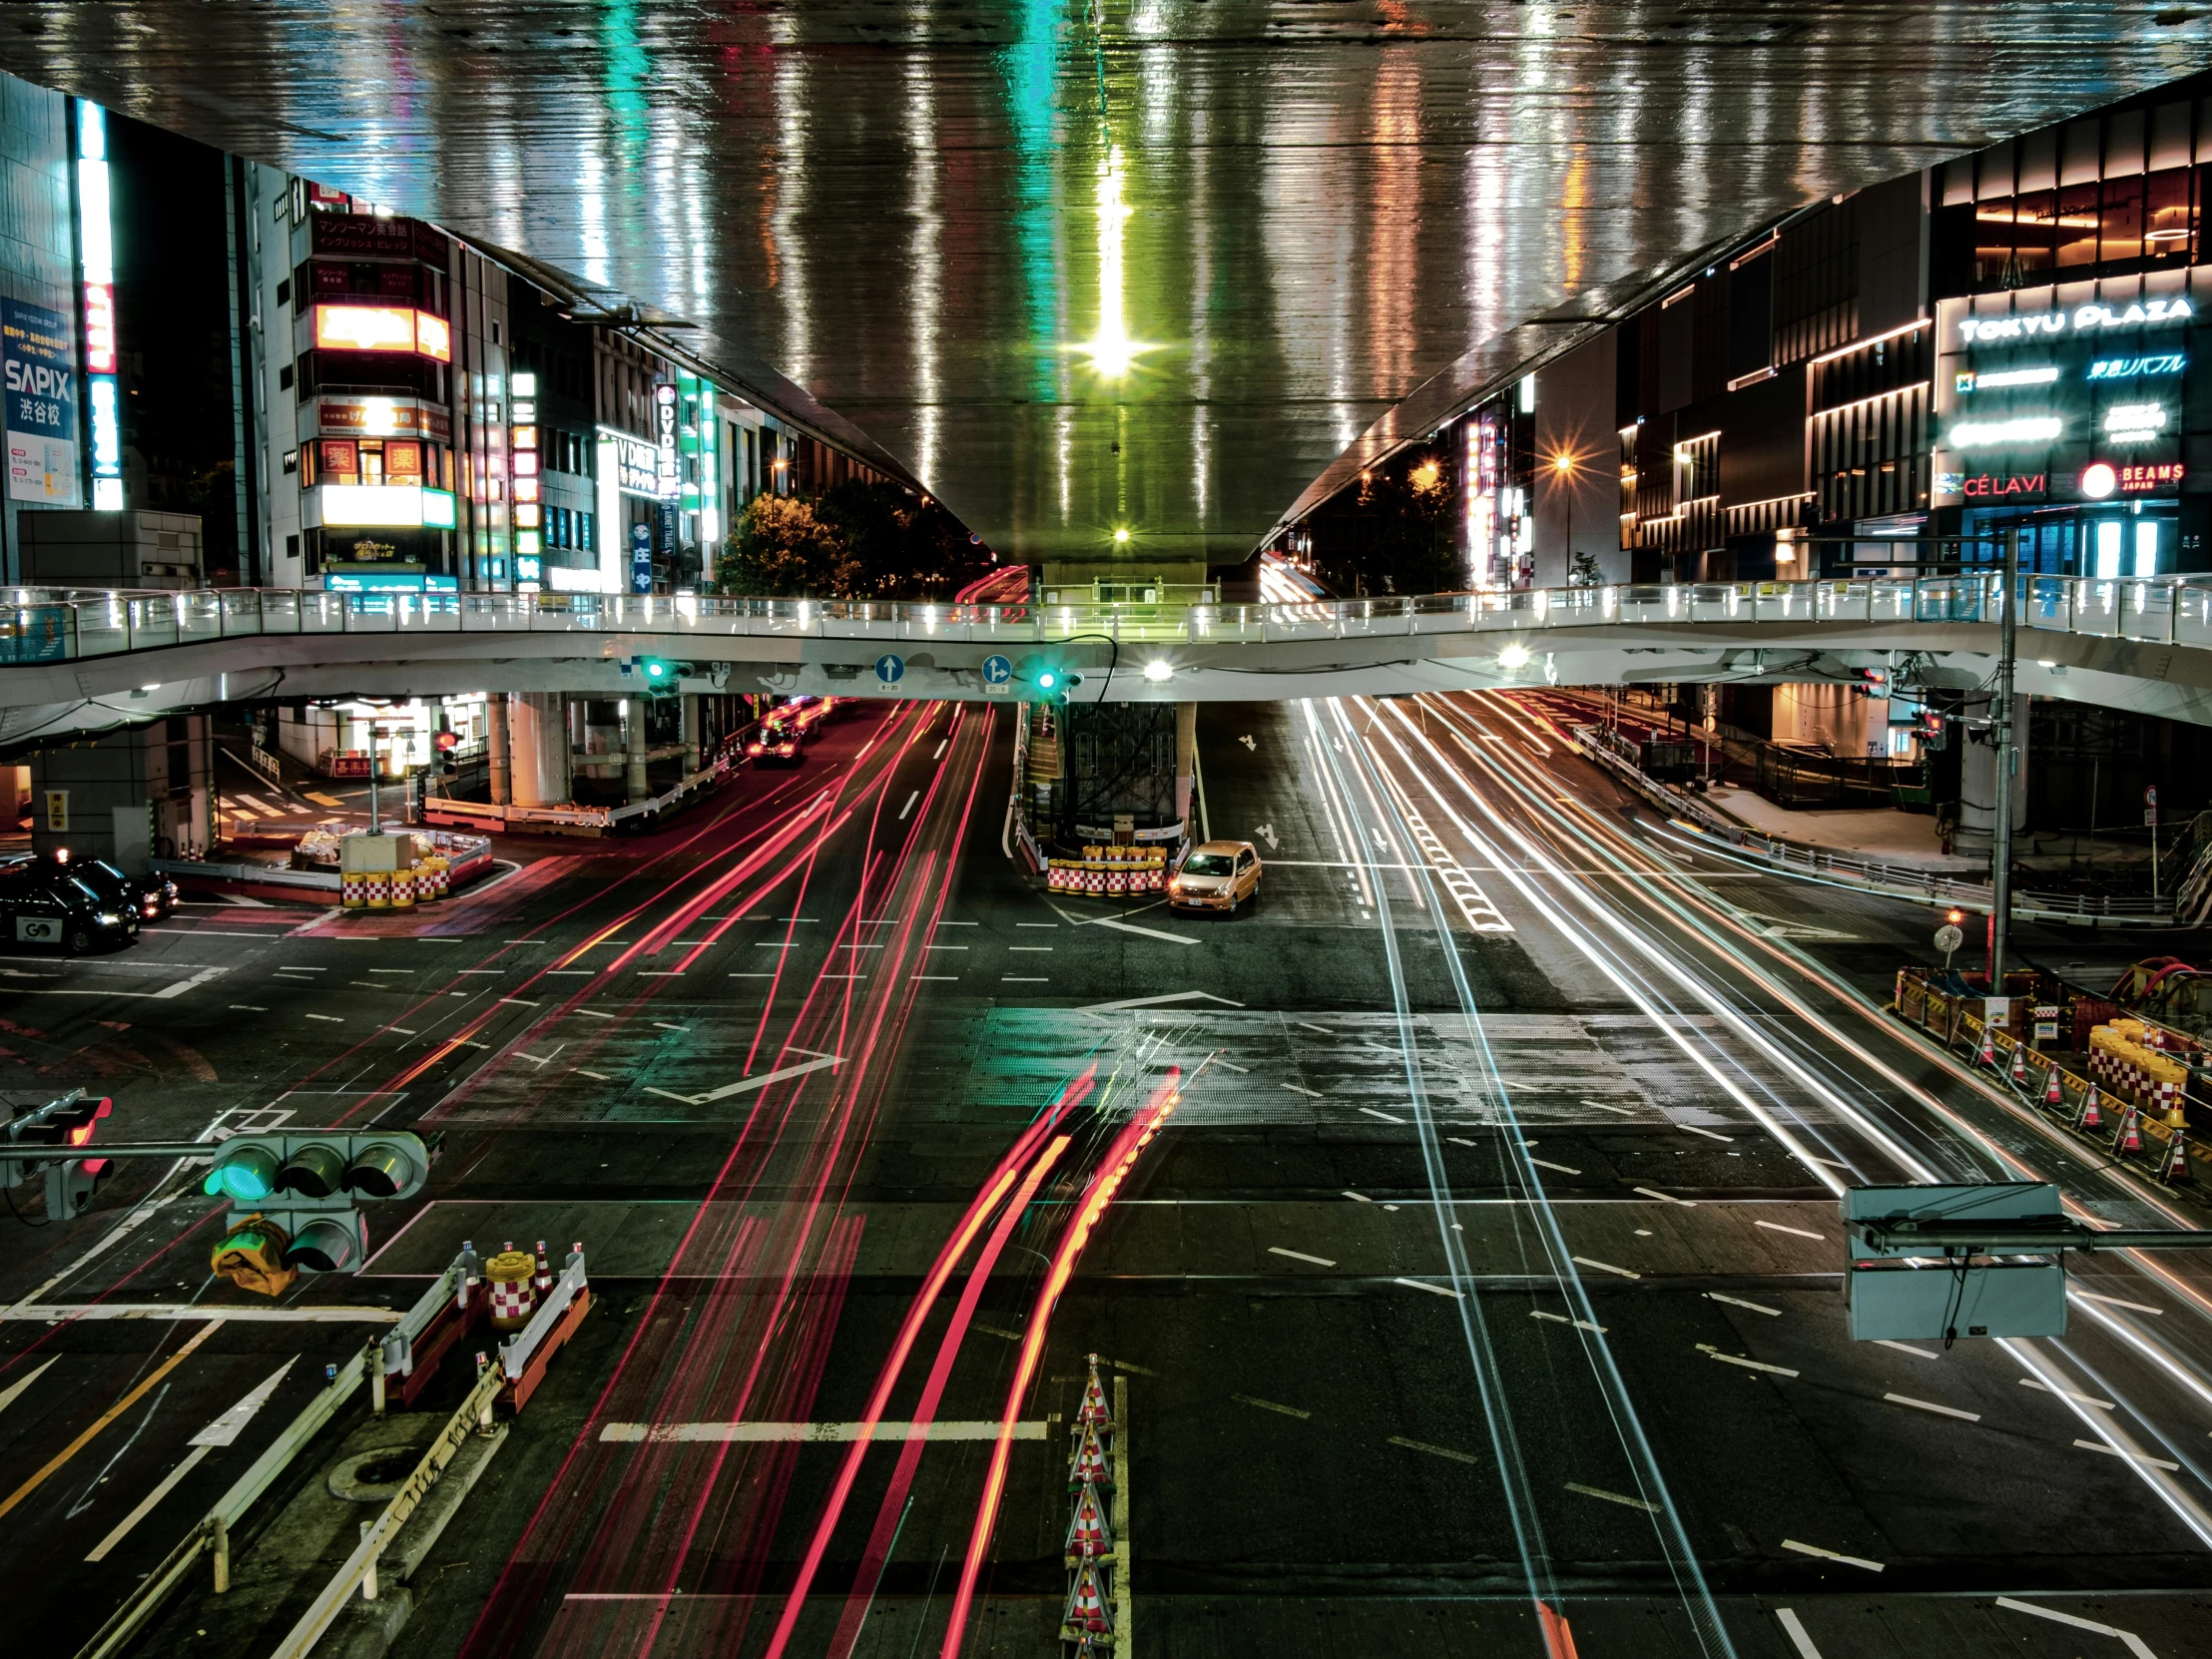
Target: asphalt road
1489,1256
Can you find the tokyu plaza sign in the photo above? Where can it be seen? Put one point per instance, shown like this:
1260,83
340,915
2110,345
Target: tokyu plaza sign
1988,330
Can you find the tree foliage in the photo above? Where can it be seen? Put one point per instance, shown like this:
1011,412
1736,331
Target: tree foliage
857,540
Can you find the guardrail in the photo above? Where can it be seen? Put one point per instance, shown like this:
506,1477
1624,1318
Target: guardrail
1891,880
48,626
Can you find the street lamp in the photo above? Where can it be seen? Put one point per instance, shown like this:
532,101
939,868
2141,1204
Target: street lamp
1562,472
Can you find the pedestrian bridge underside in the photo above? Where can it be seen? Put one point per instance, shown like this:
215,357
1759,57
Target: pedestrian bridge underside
81,662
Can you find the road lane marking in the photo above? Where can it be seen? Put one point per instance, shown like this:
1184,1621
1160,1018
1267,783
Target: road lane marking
2026,1382
946,978
826,1434
1738,1301
1360,1198
2086,1446
946,948
1308,1025
1796,1632
1456,1140
1605,1106
1563,1169
1029,950
1433,1450
2127,1639
1311,1094
1272,1250
519,1002
412,970
2115,1301
910,806
52,1312
400,1031
1831,1555
1150,1001
1024,979
1906,1348
223,1432
1271,1405
1931,1406
600,1075
14,1391
1432,1290
1665,1198
1561,1319
1777,1227
1693,1129
1614,1498
1749,1364
247,1008
327,1020
666,1027
1384,1116
1132,927
1607,1267
116,1411
591,1013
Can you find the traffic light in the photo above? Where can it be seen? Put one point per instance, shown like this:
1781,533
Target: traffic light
443,744
1054,682
70,1185
661,676
293,1195
69,1121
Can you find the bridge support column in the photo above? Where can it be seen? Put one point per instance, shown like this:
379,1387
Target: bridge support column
496,746
126,795
538,723
691,738
634,784
1186,752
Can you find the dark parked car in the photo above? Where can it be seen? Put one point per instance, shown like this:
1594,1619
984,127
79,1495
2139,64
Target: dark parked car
150,897
41,904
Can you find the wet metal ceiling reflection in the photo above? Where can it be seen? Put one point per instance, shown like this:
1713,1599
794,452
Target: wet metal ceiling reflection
1095,264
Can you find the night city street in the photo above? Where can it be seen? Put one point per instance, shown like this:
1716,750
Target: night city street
1175,827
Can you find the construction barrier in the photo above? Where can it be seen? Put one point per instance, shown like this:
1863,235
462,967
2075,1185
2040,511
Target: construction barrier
403,889
2136,1075
353,889
1110,871
1087,1620
513,1296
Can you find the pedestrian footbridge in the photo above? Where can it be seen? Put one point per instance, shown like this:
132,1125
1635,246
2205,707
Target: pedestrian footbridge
84,660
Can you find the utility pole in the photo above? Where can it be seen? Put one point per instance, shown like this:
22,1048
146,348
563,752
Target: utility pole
2001,736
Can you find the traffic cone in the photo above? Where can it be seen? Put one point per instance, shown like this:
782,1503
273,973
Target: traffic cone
2020,1066
2052,1097
1088,1467
1987,1055
545,1272
1090,1537
2127,1140
1094,1407
2173,1166
1087,1608
2089,1117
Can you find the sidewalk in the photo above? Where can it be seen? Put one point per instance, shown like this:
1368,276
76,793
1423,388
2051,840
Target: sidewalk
1860,832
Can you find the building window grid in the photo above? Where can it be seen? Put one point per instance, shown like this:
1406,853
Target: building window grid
1871,459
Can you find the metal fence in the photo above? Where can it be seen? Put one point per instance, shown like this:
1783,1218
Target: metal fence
45,626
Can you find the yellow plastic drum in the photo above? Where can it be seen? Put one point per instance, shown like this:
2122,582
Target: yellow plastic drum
508,1277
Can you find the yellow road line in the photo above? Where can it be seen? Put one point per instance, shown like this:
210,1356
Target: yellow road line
116,1411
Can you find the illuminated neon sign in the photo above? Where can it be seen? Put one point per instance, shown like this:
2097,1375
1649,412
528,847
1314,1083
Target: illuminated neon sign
1981,434
96,272
2042,376
2135,480
2132,368
2082,319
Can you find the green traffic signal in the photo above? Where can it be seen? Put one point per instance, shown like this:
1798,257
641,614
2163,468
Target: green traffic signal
242,1174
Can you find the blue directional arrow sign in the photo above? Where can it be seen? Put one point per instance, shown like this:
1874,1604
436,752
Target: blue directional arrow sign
997,671
889,669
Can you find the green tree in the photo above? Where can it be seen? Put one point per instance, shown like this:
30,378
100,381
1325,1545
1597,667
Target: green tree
781,547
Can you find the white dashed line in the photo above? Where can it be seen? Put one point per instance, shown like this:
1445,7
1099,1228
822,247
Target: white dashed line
1931,1406
327,1020
1563,1169
1384,1116
2115,1301
1693,1129
1432,1290
1738,1301
1777,1227
1831,1555
1561,1319
1906,1348
2130,1457
1301,1256
1607,1267
2086,1399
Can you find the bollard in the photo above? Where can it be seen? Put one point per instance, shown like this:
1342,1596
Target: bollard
483,1414
376,1384
369,1578
220,1549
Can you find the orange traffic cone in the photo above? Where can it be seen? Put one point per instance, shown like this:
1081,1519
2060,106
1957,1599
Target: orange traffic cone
2173,1167
1987,1055
1094,1407
545,1272
2089,1117
1087,1608
2020,1066
2052,1097
1089,1536
1088,1467
2127,1140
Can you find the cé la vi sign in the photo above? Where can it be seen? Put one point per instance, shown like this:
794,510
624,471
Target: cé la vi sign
2082,319
1990,485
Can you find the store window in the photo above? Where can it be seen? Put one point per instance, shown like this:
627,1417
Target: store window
2108,228
372,461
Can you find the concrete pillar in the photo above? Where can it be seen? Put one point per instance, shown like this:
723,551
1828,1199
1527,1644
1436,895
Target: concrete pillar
538,723
634,786
496,739
125,794
1977,790
691,738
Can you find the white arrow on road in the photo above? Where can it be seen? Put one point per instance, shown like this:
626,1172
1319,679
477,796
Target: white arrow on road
223,1431
818,1062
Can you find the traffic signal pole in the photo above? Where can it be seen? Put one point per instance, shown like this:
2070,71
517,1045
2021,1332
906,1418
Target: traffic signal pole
2000,737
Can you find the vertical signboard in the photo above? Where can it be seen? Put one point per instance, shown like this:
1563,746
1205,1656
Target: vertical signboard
35,364
640,558
96,268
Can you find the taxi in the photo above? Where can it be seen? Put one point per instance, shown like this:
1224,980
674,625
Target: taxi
1218,876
